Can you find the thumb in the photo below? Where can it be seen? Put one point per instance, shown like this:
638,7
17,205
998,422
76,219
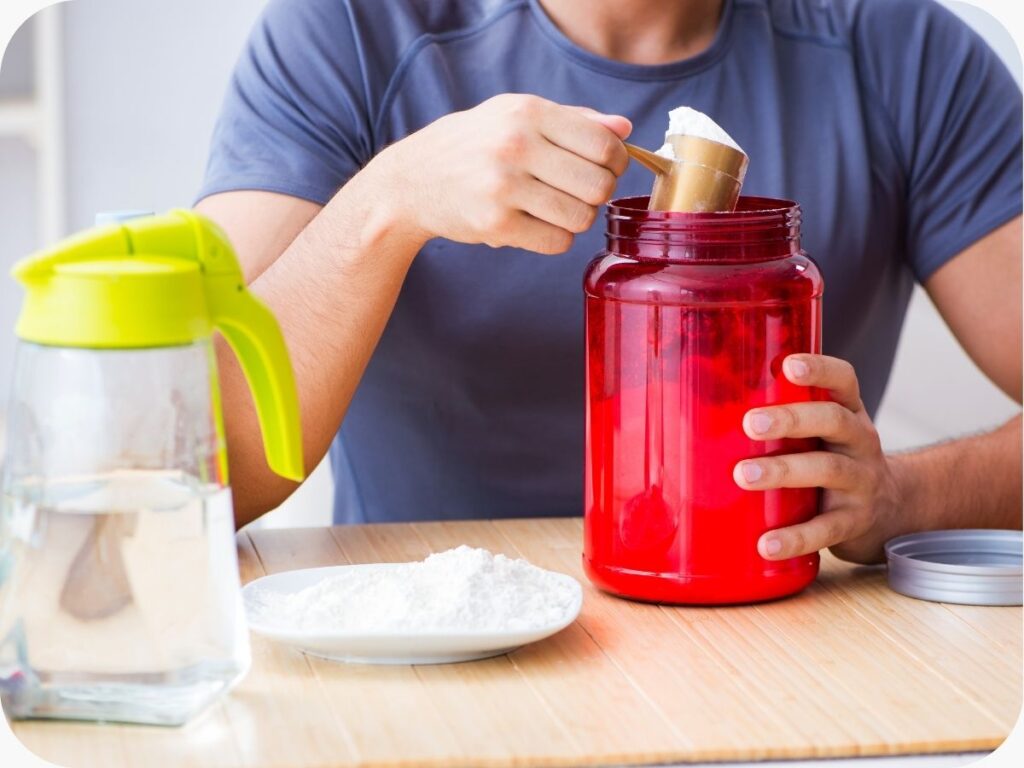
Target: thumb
617,124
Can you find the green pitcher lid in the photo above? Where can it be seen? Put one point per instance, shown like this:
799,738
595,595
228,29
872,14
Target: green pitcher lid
161,281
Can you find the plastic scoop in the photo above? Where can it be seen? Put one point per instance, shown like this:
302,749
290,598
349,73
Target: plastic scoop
704,176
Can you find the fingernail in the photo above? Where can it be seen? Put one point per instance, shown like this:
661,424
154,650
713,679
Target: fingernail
751,471
772,547
798,368
760,423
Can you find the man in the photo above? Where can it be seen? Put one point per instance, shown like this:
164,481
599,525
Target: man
413,187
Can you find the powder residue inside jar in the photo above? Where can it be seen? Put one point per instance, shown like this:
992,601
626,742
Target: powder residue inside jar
463,589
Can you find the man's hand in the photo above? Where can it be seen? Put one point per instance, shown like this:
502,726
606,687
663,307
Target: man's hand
516,170
861,495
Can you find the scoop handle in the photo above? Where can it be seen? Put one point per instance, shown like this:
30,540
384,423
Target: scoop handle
648,159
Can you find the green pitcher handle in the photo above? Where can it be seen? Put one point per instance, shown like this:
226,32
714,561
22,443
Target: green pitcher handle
246,323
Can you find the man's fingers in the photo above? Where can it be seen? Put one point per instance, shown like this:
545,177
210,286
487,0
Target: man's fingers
555,207
825,530
586,181
521,230
815,469
582,135
829,373
828,420
621,126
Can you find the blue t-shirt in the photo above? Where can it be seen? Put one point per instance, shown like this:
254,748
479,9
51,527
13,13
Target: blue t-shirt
890,121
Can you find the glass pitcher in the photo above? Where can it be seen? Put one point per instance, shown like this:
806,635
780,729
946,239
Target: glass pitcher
688,319
119,588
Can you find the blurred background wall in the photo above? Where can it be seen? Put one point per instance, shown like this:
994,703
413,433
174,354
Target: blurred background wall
138,84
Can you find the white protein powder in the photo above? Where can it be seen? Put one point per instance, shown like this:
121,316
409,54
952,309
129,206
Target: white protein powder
463,589
686,121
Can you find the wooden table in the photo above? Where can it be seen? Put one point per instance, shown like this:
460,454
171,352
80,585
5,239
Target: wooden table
847,668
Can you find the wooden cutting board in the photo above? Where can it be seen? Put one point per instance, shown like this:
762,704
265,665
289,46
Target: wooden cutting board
847,668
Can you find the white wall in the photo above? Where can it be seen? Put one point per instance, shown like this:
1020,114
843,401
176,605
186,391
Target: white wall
144,82
17,193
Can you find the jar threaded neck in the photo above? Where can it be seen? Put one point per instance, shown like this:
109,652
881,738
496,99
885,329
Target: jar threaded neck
760,229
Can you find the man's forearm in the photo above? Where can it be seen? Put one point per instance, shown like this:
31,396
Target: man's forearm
332,292
973,482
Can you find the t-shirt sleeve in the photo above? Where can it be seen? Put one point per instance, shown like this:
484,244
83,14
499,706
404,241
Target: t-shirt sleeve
955,114
295,118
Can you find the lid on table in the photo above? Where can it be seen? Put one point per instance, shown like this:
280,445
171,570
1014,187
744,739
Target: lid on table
970,567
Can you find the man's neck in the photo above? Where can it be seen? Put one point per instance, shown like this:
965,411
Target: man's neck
638,31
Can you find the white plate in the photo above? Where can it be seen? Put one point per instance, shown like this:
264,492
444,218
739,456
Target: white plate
390,648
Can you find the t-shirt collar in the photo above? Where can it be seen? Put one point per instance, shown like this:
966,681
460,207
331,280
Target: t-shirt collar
621,69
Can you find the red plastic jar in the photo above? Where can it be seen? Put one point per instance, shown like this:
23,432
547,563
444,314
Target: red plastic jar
688,319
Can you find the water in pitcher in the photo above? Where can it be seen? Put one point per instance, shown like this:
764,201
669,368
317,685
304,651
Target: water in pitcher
119,598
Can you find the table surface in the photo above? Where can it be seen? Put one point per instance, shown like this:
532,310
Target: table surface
848,668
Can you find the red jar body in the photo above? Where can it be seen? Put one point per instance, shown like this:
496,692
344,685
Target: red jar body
688,320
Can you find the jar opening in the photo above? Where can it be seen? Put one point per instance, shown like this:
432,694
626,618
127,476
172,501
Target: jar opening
760,228
750,211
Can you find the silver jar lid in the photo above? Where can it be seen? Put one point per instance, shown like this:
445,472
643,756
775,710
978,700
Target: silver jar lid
970,567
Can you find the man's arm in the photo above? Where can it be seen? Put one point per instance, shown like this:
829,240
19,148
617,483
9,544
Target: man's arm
262,225
978,294
514,171
331,286
976,481
870,497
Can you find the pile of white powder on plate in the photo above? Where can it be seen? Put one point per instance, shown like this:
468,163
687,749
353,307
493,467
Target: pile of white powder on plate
686,121
463,589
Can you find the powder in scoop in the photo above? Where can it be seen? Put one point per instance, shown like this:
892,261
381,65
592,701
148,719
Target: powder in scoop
686,121
463,589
